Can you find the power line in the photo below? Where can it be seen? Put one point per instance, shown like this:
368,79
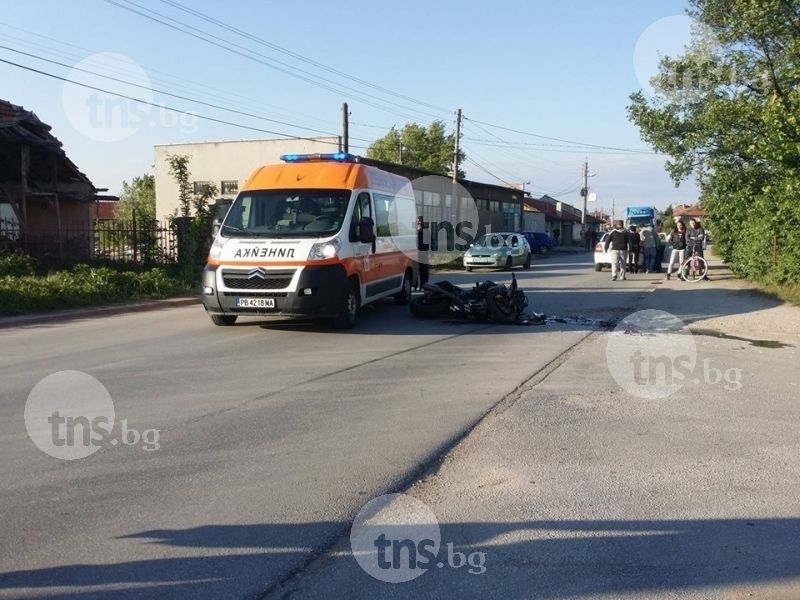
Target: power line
485,170
513,176
178,96
554,139
297,55
259,58
226,96
153,104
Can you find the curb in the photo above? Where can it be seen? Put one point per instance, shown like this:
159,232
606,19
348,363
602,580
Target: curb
96,311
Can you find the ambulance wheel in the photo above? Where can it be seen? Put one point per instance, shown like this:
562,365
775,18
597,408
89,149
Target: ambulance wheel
348,311
223,320
403,297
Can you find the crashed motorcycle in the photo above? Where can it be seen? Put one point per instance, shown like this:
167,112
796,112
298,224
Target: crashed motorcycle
485,301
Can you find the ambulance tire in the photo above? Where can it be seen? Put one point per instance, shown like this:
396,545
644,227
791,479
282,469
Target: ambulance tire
403,297
348,312
223,320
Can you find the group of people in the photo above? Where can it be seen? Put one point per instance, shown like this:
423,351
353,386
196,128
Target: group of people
627,245
682,239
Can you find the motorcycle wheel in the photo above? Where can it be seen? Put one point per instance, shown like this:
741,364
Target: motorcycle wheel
428,307
502,307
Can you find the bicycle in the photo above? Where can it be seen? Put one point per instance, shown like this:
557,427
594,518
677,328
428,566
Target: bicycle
694,268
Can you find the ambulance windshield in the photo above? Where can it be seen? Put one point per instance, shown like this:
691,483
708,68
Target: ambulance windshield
284,213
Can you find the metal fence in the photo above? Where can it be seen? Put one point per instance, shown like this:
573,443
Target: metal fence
122,241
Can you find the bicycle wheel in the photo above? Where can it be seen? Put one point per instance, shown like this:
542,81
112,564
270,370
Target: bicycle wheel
694,269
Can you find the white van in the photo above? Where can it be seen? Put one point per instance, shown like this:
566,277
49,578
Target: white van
319,235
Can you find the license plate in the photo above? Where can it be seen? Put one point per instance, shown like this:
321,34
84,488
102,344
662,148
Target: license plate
255,302
480,261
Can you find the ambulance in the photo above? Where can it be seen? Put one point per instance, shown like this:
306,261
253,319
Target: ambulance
316,236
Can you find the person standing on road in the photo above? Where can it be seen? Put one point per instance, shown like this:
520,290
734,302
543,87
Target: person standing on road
422,254
696,240
588,236
677,239
650,249
618,244
695,237
633,254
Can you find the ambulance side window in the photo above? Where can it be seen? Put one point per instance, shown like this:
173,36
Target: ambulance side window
362,218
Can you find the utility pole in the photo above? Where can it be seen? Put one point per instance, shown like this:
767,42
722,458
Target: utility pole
345,129
457,148
585,192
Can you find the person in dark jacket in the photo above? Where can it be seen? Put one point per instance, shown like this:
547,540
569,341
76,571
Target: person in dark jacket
618,244
695,240
422,254
677,239
695,237
633,253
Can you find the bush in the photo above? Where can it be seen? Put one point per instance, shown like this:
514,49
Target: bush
84,286
16,264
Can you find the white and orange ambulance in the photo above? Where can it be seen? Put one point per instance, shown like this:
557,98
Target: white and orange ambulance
318,235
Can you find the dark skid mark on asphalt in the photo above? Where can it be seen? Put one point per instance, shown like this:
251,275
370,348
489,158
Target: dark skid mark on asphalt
599,323
727,336
542,319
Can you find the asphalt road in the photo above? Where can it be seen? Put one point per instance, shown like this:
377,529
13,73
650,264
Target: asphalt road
270,436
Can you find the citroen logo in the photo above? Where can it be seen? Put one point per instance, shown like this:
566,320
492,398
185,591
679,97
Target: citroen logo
259,273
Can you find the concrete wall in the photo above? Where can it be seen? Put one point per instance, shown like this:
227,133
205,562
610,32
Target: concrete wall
216,162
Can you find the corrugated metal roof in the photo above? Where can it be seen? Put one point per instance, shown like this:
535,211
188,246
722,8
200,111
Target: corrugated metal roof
20,127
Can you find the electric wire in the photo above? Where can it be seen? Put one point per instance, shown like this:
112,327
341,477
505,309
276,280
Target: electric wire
226,96
153,104
262,59
299,56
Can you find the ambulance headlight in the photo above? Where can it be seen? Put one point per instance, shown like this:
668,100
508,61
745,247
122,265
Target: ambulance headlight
215,253
324,250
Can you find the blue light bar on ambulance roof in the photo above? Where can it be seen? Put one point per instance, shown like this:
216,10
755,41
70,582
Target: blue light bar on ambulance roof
335,156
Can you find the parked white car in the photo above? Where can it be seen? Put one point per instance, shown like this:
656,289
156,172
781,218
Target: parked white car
601,257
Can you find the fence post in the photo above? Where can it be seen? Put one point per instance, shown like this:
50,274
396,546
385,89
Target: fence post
183,231
135,238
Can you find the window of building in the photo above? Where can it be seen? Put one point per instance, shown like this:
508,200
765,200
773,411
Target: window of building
200,187
229,187
431,198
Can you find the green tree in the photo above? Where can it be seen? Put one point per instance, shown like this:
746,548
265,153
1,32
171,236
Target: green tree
728,111
138,196
667,219
194,216
132,233
417,146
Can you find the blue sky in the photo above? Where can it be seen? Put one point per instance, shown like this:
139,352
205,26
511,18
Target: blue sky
542,86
